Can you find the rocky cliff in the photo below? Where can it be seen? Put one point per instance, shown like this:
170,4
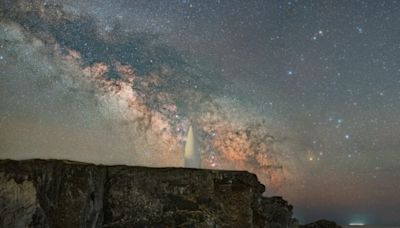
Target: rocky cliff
54,193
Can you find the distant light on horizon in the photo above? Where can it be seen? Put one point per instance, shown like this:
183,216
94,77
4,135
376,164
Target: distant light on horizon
356,224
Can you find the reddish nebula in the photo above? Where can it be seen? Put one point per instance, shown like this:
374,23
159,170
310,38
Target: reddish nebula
224,143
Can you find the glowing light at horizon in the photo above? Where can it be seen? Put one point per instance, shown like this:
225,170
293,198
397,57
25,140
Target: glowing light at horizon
356,224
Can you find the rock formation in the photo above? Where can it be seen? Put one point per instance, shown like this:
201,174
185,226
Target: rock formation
321,224
54,193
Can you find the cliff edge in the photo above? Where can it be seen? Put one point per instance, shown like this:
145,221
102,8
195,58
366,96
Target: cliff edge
56,193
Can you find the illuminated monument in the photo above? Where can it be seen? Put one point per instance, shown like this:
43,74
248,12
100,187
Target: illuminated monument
192,156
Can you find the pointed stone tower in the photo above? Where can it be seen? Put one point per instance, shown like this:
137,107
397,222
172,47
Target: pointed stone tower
192,156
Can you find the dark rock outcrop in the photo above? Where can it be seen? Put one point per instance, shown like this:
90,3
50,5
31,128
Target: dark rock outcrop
53,193
321,224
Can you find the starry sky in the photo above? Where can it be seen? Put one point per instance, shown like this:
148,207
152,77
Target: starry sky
306,94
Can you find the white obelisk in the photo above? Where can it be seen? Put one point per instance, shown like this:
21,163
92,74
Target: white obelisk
192,156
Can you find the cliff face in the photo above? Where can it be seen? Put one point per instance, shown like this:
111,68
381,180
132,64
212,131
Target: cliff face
52,193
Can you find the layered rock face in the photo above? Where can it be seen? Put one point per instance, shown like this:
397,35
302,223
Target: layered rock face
54,193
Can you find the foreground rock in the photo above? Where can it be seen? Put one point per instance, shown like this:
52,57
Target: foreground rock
55,193
51,193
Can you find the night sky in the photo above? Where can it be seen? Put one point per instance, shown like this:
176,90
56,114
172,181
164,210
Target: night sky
306,94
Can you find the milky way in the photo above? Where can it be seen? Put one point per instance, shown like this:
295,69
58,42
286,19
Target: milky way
303,93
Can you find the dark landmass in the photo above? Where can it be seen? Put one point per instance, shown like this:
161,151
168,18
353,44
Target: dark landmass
57,193
320,224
